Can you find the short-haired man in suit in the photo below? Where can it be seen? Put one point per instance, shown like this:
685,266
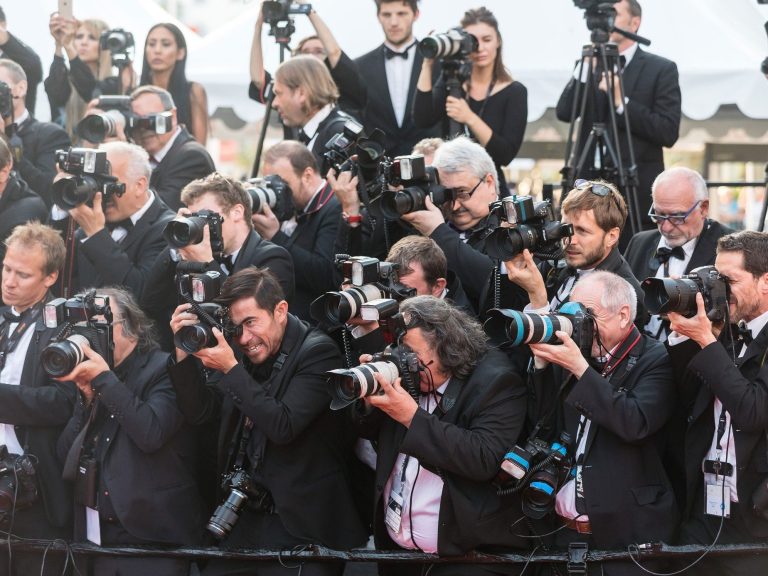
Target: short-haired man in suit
120,235
175,156
33,143
305,98
242,247
309,236
390,72
684,239
33,408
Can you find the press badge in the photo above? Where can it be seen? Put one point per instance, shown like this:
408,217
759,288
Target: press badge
718,500
93,527
394,515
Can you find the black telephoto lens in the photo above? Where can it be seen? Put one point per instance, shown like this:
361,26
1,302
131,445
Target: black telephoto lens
184,231
72,191
663,295
395,204
192,339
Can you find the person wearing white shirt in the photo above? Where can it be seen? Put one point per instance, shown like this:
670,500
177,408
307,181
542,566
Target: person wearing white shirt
724,385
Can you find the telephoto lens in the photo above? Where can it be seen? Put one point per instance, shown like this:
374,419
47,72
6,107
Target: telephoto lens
348,385
184,231
60,358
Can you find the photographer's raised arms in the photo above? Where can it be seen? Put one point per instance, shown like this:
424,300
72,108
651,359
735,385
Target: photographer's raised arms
368,338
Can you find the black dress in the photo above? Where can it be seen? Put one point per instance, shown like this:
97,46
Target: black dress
506,112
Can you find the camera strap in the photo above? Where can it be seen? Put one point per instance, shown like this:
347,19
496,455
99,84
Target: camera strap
72,460
8,342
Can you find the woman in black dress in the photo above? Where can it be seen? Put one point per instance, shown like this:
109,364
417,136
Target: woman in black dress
494,111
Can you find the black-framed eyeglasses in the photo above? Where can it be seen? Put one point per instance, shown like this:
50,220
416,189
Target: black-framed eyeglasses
674,219
462,195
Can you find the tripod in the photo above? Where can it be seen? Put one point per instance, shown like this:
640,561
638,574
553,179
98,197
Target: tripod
456,71
603,139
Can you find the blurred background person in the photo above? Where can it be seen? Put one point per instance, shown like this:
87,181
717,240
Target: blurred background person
14,49
495,109
89,72
165,62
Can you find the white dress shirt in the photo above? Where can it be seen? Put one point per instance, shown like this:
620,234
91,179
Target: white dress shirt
399,72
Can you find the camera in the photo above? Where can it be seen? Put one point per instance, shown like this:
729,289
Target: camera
89,172
348,385
351,142
102,125
241,490
370,279
531,225
509,328
199,288
456,44
276,11
6,101
538,469
664,295
271,191
188,230
418,181
18,485
120,44
79,328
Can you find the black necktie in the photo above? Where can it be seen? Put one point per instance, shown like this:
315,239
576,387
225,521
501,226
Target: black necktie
389,53
663,254
229,263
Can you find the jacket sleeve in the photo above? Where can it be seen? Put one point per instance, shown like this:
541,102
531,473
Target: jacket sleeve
49,405
507,138
83,79
57,83
198,402
351,88
429,107
151,421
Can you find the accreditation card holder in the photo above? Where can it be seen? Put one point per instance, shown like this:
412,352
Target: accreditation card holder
93,528
394,515
718,500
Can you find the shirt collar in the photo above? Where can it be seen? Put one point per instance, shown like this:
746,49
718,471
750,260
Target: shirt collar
310,128
757,324
629,53
23,117
160,154
143,210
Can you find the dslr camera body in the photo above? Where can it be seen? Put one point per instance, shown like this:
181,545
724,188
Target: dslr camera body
529,225
18,482
509,328
664,295
372,281
188,230
241,490
117,112
352,150
88,172
418,181
271,191
79,328
6,101
120,44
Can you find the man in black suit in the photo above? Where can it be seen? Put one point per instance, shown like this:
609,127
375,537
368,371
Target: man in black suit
128,430
652,101
470,412
305,98
121,235
310,235
33,144
615,403
18,204
271,399
684,239
14,49
33,408
723,385
390,73
242,248
175,156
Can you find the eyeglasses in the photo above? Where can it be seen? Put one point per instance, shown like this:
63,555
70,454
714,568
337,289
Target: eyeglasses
463,196
596,188
674,219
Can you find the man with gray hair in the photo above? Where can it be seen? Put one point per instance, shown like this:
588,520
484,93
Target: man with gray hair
32,143
684,239
468,172
615,401
120,234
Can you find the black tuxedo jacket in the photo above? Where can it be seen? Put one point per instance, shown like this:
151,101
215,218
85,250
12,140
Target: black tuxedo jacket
101,261
642,248
379,113
39,407
743,389
312,248
37,167
483,417
297,444
145,459
652,85
160,297
187,160
18,205
627,494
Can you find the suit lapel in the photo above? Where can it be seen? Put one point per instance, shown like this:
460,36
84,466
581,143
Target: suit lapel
415,71
633,72
704,250
140,228
382,86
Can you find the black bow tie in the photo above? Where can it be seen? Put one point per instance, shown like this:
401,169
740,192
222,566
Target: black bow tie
11,316
127,224
389,53
303,138
745,334
663,254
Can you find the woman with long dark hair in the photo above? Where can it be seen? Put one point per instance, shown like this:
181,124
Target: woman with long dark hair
494,110
165,62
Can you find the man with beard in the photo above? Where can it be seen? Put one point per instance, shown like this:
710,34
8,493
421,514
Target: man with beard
723,385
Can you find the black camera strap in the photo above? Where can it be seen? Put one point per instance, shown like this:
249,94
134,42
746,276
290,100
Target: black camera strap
8,342
69,471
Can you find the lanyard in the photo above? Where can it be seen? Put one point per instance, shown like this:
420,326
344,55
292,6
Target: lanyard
8,342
